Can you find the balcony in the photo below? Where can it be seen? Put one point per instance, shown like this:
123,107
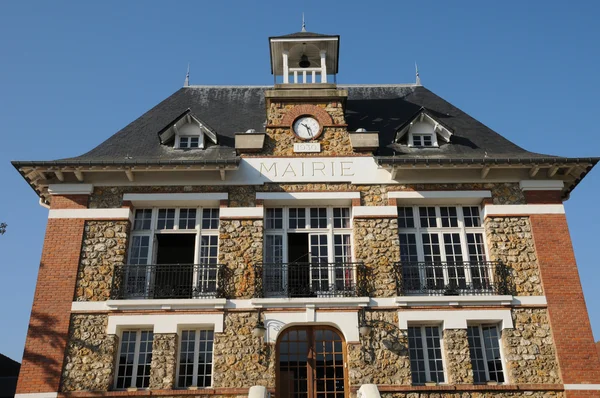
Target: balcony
280,280
476,278
167,281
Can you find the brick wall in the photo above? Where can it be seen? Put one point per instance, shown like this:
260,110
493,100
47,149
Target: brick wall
543,197
49,323
70,202
577,355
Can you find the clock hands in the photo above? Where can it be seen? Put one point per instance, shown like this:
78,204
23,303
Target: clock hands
308,129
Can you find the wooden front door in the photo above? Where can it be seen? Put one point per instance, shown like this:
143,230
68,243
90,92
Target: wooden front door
311,363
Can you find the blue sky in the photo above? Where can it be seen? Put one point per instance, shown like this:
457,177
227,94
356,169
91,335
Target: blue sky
73,73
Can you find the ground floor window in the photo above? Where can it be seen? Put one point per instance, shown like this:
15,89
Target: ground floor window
484,346
135,356
425,353
195,358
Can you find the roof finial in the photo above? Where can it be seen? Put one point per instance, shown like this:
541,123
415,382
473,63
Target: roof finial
186,83
418,78
303,24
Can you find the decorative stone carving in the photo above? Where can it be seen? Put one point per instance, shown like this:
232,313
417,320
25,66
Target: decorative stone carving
240,248
90,355
104,246
529,350
241,360
376,243
458,357
510,241
164,361
381,357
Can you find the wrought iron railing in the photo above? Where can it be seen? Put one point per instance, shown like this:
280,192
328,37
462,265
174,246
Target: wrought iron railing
161,281
453,278
310,280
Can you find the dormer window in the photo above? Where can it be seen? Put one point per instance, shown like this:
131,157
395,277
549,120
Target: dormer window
189,136
187,132
421,134
423,131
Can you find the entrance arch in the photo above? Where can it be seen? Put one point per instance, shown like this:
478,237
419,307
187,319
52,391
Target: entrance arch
311,363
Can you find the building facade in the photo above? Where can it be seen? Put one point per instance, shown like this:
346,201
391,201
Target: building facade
308,239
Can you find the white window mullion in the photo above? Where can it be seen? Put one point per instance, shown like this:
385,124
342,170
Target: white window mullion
136,357
196,355
425,353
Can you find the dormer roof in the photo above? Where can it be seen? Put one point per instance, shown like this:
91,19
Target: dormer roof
167,134
422,116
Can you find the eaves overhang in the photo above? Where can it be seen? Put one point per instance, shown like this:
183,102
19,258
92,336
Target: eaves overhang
39,174
570,170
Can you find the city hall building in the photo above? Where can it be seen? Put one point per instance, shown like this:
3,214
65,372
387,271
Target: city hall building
307,240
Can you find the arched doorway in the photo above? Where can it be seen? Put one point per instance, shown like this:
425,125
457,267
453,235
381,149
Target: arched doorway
311,363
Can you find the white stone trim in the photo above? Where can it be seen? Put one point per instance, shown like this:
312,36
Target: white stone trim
92,214
242,212
501,210
582,387
285,198
374,211
440,197
457,319
38,395
310,301
175,199
346,322
164,323
541,185
530,300
408,301
151,304
70,189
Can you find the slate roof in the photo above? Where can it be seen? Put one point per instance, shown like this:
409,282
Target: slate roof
231,109
298,35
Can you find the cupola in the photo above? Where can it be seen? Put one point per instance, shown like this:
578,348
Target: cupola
304,57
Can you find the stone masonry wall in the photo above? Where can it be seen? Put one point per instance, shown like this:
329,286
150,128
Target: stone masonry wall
164,360
240,359
376,244
510,241
529,350
240,248
90,355
458,358
104,246
382,357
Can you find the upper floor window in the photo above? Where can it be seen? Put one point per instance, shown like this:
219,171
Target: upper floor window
173,253
422,134
135,357
423,131
442,247
308,251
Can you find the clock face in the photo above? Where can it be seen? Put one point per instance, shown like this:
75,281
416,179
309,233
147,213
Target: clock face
307,127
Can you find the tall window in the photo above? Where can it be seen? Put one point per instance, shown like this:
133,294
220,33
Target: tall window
135,356
165,243
442,247
484,346
425,353
195,358
308,249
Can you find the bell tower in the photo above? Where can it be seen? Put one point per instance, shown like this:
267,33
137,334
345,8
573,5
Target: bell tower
304,58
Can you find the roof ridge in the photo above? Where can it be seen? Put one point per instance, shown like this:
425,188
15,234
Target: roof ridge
226,86
271,86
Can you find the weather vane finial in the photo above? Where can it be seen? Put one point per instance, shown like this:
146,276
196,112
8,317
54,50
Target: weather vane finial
186,83
418,79
303,24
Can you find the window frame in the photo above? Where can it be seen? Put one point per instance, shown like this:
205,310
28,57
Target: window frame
433,136
425,352
462,268
484,358
196,363
329,230
200,136
136,354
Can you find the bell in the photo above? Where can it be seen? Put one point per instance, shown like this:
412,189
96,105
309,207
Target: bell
304,62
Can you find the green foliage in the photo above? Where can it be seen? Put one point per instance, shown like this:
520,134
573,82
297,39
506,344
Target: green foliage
3,226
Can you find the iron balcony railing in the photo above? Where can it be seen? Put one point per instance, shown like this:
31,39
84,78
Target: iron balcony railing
452,278
310,280
162,281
